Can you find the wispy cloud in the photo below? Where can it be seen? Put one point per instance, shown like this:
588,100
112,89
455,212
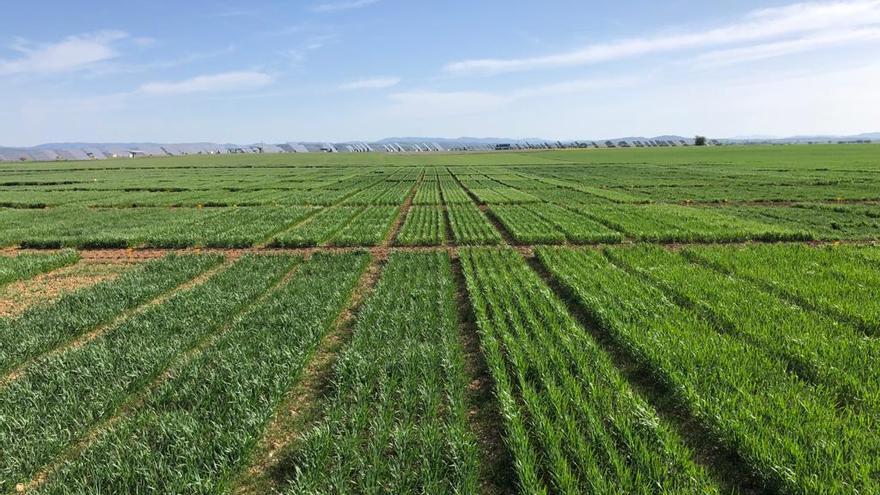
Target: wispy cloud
297,56
370,83
70,54
470,102
787,47
345,5
228,81
805,19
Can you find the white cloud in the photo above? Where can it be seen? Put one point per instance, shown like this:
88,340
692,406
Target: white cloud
228,81
787,47
345,5
71,54
370,83
297,56
800,18
577,86
447,103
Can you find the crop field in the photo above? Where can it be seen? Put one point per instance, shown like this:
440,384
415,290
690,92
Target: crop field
683,320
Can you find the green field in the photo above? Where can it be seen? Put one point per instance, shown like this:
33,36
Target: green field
682,320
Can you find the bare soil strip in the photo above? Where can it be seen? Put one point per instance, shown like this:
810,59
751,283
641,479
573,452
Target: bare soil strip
45,288
96,332
497,475
137,398
723,464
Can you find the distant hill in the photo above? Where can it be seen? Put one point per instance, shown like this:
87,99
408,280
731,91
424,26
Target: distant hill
829,138
459,140
409,144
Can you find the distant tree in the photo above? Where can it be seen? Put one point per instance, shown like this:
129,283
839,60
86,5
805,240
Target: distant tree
700,141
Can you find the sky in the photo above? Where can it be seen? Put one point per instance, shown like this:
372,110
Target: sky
336,70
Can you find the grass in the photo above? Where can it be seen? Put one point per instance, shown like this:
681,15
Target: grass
726,383
424,226
69,392
398,404
571,421
197,428
652,360
25,266
470,225
42,328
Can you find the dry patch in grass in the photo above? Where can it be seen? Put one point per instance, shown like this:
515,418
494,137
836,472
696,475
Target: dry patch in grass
17,297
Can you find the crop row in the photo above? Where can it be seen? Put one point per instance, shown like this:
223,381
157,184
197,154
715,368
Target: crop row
572,423
831,280
470,226
44,327
272,194
453,193
769,189
198,427
793,434
382,193
397,420
341,226
547,223
318,228
815,346
62,395
369,228
424,226
673,223
238,227
158,227
428,194
499,194
614,195
27,265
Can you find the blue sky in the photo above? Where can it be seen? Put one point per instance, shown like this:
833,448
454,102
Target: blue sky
277,71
